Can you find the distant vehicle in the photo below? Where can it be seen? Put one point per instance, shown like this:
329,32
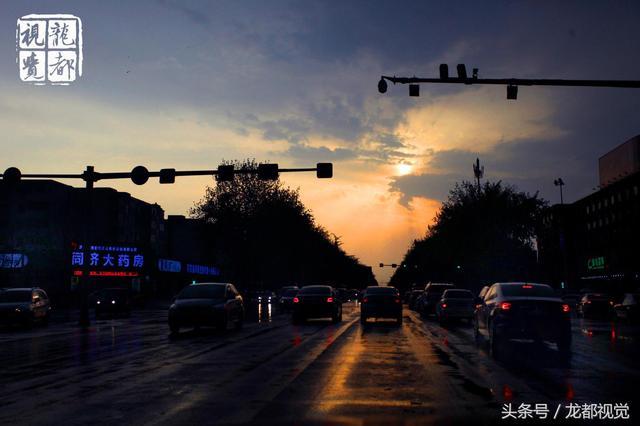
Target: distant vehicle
317,301
206,304
263,297
413,299
628,308
285,302
112,301
523,311
431,297
24,306
572,299
455,304
595,305
381,302
353,295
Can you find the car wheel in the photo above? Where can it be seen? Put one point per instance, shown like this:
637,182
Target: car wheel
240,321
496,343
564,348
222,325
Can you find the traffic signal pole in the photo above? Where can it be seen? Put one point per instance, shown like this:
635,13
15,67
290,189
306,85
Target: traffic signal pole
140,175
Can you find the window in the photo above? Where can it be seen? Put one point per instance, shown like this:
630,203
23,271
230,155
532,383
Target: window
491,294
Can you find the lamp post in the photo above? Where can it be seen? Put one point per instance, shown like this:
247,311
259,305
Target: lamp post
559,182
478,171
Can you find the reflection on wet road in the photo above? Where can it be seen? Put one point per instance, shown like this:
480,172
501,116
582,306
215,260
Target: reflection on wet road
277,373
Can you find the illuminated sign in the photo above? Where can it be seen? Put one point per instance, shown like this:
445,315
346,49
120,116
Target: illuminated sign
13,260
78,273
126,258
202,269
168,265
595,263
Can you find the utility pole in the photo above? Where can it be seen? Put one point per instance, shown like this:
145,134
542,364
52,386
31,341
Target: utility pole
478,172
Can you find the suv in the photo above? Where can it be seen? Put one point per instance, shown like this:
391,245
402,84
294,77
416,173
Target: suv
24,306
523,311
431,297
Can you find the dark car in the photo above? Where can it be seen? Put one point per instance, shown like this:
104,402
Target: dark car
431,297
523,311
317,301
413,298
285,302
263,297
381,302
206,304
595,305
628,308
455,304
24,306
572,299
112,301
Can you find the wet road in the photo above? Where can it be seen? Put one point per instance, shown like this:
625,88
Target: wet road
129,371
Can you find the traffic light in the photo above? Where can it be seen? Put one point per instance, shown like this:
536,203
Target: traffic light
324,170
462,71
167,175
382,86
512,92
12,175
140,175
394,265
382,265
414,90
225,173
268,171
444,72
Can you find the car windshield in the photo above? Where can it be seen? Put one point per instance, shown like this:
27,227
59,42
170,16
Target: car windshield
289,293
527,290
382,290
315,290
13,296
458,294
202,291
437,289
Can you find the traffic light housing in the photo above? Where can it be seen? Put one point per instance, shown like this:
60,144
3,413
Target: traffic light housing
414,90
225,173
324,170
140,175
167,175
268,171
12,175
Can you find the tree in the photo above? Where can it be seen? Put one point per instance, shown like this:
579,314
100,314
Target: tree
481,234
263,236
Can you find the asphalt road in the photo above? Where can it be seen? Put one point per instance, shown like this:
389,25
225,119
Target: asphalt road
130,371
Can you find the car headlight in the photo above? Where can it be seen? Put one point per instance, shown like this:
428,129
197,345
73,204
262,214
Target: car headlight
18,310
98,302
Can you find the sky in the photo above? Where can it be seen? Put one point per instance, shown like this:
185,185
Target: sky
187,84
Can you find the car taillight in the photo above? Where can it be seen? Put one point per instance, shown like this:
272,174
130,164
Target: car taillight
397,300
444,305
296,300
329,299
566,308
588,302
365,300
527,286
505,306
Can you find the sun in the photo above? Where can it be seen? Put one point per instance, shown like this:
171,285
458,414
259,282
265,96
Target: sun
404,168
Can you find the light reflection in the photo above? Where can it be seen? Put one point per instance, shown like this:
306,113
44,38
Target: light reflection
267,313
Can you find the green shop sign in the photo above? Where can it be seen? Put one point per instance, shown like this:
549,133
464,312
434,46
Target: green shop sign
595,263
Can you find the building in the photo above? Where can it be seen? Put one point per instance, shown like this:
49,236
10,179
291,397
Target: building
595,242
51,234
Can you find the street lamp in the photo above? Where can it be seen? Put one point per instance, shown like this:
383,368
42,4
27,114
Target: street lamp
559,182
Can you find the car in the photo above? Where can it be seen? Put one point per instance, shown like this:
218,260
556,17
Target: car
263,297
455,304
595,305
520,310
206,304
627,309
316,301
431,297
381,302
112,301
24,306
285,302
572,299
413,299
